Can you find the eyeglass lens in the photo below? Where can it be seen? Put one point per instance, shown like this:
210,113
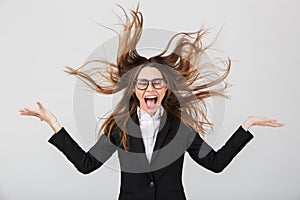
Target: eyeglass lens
142,84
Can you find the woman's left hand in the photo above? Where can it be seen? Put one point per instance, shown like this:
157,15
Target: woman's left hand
260,121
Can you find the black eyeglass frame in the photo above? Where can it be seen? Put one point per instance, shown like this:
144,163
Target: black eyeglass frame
163,79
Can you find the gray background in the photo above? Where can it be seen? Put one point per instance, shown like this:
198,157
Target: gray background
38,38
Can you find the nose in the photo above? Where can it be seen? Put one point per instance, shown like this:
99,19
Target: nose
150,87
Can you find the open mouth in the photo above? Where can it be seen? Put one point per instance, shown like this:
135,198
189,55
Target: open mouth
150,101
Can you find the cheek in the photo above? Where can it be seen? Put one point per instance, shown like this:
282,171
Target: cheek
139,95
162,93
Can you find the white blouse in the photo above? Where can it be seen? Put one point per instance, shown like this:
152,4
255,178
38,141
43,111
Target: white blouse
149,128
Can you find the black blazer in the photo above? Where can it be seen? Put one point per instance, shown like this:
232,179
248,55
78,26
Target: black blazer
161,179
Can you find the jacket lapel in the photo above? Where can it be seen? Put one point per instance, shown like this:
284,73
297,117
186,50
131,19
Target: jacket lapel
136,140
164,127
155,164
133,128
137,143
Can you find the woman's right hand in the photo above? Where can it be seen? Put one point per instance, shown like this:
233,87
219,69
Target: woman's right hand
43,114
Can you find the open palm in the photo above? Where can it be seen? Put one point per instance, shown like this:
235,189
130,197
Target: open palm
261,121
42,113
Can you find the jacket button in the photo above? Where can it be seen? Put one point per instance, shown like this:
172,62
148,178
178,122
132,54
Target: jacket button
151,184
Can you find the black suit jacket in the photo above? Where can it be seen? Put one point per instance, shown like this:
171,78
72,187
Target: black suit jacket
161,179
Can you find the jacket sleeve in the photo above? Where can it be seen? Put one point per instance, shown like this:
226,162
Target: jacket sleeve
216,161
85,162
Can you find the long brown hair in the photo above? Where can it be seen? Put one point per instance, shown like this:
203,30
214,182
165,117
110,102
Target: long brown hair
181,68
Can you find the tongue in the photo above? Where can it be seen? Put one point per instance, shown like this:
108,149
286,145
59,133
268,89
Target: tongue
150,103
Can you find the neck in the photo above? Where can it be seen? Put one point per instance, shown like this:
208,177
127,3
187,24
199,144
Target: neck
151,112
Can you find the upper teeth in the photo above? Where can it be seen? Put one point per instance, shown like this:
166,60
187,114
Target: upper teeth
150,97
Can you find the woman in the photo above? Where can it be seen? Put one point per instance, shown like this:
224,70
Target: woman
161,116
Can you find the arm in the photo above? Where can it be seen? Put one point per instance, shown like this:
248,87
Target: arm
204,155
85,162
216,161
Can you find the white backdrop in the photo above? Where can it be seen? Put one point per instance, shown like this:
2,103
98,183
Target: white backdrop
38,38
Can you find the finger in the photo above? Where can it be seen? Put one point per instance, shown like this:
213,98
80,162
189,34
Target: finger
275,124
27,111
30,111
269,120
24,111
40,105
279,124
21,110
273,120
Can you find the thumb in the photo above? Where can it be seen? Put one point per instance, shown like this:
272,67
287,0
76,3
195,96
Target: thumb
40,105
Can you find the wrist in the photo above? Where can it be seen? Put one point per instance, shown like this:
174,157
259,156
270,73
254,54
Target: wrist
245,127
55,126
247,124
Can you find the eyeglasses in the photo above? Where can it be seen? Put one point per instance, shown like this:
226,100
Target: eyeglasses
157,83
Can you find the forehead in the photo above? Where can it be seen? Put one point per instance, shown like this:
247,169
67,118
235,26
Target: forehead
149,73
